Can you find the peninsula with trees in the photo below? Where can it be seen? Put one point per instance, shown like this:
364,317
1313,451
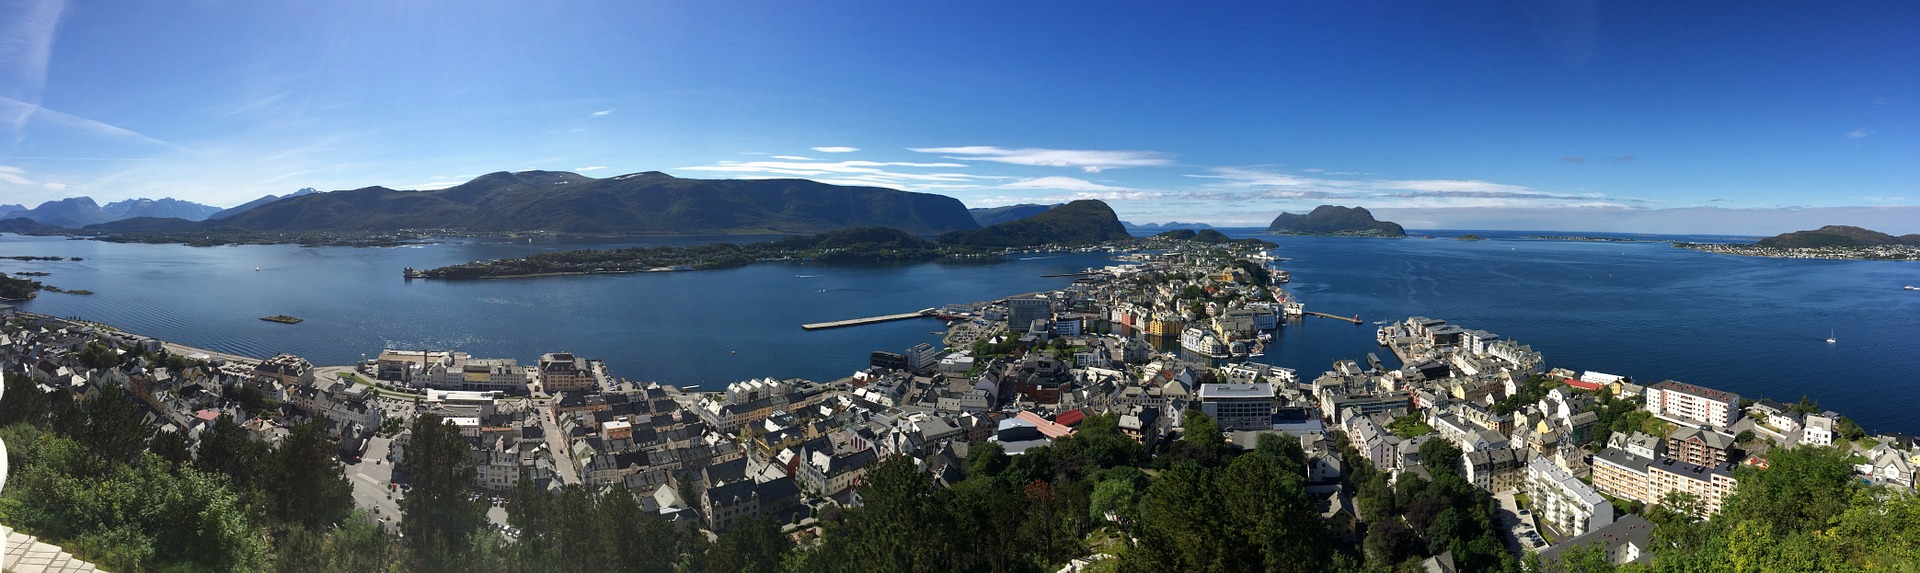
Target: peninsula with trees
1333,220
1077,224
1829,242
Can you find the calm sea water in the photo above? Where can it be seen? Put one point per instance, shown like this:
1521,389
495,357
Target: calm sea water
1754,326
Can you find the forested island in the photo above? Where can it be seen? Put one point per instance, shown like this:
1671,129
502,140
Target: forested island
1333,220
1076,224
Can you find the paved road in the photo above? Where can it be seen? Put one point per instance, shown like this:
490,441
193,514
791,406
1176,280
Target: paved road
556,443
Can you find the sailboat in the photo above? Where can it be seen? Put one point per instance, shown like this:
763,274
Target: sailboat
1830,338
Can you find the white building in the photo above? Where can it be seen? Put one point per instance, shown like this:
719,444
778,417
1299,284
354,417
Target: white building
1564,501
1689,403
1238,406
1819,430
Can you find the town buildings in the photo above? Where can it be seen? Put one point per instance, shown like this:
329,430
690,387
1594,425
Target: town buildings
1689,403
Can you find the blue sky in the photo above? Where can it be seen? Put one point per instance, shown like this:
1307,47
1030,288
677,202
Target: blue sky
1638,116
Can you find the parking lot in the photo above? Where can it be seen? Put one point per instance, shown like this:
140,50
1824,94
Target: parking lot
1516,524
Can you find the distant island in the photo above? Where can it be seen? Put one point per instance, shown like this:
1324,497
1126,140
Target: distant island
1331,220
539,202
1829,242
1077,224
17,288
1212,237
1589,238
1469,237
283,319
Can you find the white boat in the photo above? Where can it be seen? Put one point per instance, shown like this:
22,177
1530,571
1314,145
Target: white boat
1830,338
1911,287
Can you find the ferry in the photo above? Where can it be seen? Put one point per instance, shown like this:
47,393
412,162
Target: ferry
1911,287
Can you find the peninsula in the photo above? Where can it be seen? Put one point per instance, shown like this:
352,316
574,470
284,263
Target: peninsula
1074,225
1829,242
1332,220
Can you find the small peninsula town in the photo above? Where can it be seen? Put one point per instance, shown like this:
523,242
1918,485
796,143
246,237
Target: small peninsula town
1118,422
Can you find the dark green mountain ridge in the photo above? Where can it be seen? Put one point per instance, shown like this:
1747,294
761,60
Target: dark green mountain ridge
1837,236
639,203
1335,220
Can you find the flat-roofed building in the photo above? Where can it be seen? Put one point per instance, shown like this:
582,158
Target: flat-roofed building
1564,501
1621,474
1690,403
1709,484
1023,311
1238,406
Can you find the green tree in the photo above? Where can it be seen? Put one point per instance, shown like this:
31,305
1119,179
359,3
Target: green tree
1584,558
114,428
25,403
171,447
1181,524
986,459
304,485
753,545
899,527
636,540
226,450
1440,456
439,515
1265,499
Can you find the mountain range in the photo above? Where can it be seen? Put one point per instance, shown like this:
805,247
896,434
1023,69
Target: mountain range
1335,220
989,216
1837,236
1167,226
560,202
1077,223
248,206
75,212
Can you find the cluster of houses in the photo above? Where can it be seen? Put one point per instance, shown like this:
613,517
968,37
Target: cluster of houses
187,394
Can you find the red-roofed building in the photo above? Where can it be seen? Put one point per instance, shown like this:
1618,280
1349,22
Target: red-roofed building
207,415
1070,418
1047,427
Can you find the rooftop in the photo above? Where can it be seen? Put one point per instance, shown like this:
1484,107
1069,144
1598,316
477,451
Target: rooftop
1230,391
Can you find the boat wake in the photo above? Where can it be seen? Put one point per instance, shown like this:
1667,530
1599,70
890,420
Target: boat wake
806,276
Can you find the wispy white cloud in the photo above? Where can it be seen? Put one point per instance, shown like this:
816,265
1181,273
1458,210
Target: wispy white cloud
1061,184
27,30
836,149
1860,133
10,107
793,158
52,186
601,113
590,168
1232,185
1090,161
14,175
893,174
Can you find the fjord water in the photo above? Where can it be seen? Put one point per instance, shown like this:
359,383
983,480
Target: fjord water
1750,325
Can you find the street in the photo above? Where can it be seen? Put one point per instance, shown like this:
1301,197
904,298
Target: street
370,478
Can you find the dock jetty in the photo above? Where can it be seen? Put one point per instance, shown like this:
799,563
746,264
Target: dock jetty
867,320
1353,319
